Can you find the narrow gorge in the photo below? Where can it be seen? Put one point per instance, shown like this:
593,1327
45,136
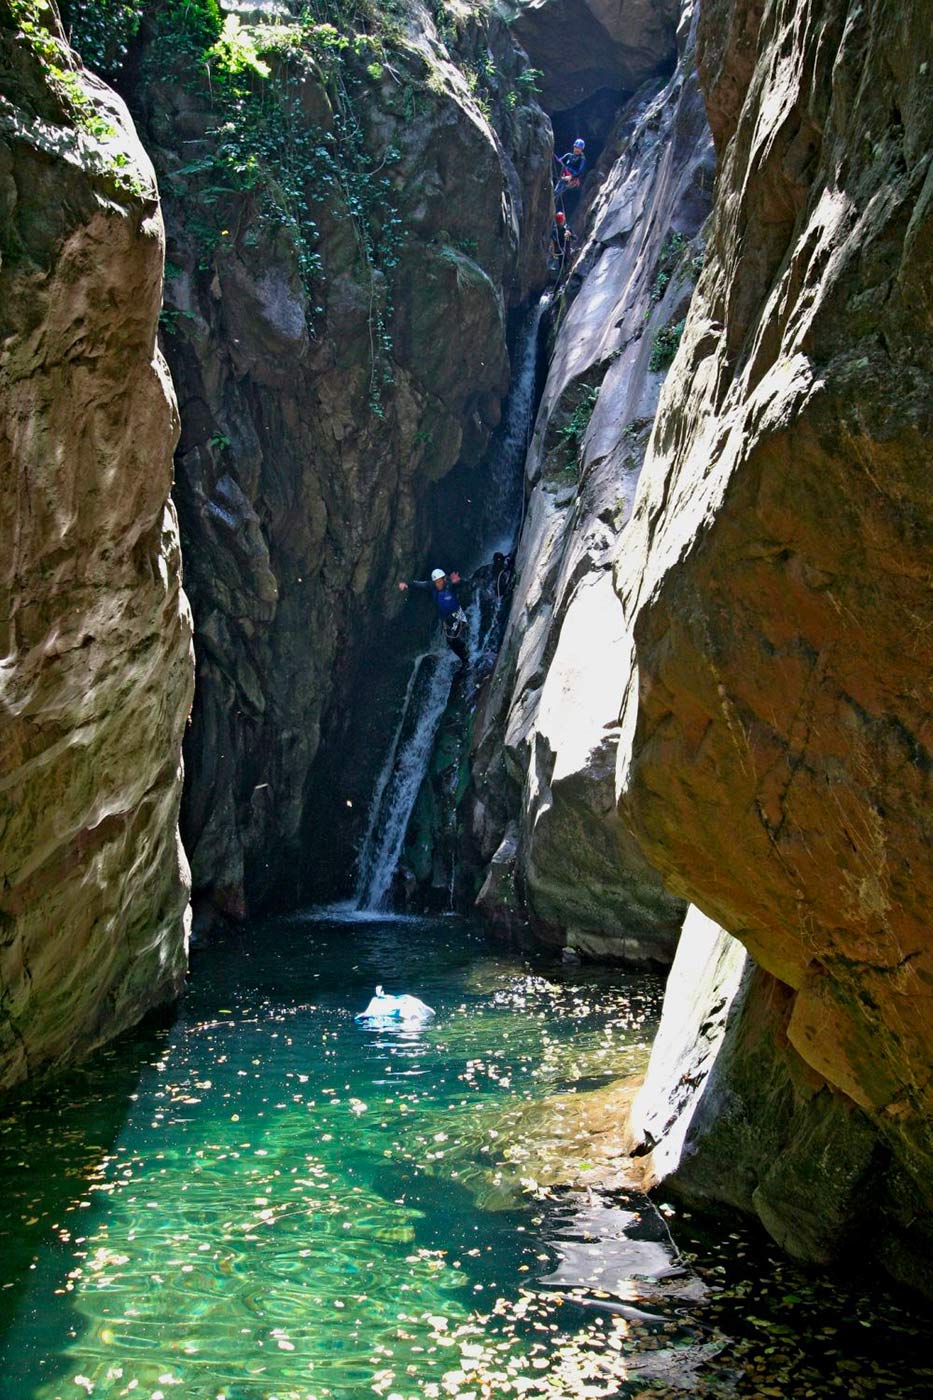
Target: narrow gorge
287,325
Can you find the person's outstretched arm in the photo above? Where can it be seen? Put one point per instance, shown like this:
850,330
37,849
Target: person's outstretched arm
404,585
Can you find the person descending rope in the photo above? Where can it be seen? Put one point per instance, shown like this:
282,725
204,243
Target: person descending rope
451,614
503,574
572,166
561,248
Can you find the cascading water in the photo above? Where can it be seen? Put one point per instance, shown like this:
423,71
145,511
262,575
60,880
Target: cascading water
512,443
401,776
428,689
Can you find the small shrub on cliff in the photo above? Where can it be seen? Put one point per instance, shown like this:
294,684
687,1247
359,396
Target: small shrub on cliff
572,432
671,251
235,52
664,346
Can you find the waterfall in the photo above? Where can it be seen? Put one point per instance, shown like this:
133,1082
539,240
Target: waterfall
401,776
511,446
426,695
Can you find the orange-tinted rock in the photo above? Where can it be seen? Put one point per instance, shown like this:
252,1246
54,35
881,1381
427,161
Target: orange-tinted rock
96,677
729,1111
777,569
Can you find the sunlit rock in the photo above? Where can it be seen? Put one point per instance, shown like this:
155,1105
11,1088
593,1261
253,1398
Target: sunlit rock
730,1112
96,671
776,577
549,729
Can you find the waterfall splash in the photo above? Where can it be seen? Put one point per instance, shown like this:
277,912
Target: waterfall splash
426,695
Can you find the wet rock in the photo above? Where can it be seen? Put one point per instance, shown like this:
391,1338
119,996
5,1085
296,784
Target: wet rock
549,727
498,896
776,578
96,635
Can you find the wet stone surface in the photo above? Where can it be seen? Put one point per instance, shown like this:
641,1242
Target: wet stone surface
265,1201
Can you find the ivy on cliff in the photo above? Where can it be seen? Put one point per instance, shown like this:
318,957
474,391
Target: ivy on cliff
101,31
261,143
33,28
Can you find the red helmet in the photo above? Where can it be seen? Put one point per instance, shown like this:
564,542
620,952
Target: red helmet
561,216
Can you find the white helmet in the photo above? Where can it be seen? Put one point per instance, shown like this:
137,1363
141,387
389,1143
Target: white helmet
437,574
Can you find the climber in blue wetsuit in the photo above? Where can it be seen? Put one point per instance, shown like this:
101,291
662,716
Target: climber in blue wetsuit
451,614
572,166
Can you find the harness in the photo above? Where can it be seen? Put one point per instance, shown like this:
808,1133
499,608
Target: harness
454,624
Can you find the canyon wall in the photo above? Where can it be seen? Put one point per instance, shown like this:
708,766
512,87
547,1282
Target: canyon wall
547,733
343,258
96,677
742,712
776,576
595,46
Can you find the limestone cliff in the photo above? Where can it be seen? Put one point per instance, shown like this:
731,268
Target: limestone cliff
548,731
96,676
352,213
776,576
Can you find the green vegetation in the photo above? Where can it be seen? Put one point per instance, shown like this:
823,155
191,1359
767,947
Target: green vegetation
261,149
572,431
101,31
664,346
264,165
673,247
36,30
32,20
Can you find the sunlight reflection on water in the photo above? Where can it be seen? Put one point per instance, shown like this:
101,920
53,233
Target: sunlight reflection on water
289,1205
268,1202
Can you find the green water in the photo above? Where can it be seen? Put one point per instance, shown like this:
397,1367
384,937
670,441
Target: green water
266,1202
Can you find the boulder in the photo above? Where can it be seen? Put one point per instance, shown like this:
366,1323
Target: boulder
730,1113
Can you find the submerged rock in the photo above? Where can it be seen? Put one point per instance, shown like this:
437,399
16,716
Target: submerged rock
97,673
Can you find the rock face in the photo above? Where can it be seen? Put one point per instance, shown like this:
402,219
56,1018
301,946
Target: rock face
776,577
595,44
328,381
549,729
733,1114
97,672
